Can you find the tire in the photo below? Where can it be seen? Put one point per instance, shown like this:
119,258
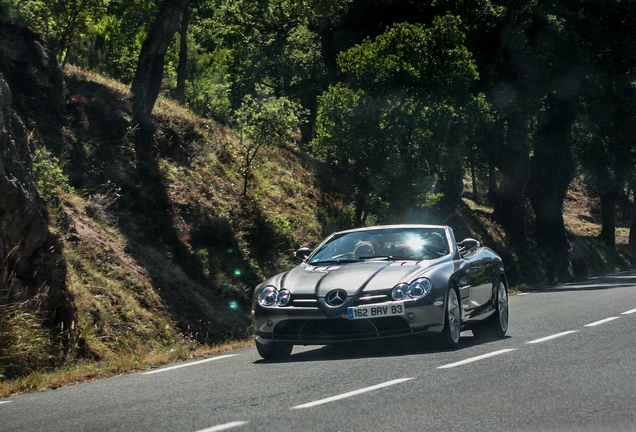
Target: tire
497,325
274,350
449,338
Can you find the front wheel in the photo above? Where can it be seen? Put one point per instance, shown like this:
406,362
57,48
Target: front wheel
452,321
497,325
274,350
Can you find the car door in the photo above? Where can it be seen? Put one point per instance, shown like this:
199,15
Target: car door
477,276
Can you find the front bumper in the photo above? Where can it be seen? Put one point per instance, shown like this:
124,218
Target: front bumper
312,327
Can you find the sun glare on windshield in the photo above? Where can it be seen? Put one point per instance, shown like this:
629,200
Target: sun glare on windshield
415,242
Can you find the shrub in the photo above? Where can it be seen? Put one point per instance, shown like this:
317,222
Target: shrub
49,175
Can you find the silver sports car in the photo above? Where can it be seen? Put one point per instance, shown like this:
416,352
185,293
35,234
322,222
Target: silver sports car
379,282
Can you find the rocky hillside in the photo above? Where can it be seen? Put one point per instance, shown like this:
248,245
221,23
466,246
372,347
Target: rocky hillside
32,93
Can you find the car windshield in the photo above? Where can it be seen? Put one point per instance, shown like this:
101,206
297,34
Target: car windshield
391,243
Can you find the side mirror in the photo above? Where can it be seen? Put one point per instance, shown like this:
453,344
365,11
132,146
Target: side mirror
468,245
302,253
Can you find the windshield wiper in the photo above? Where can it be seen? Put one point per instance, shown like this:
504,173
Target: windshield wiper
403,257
335,261
370,258
390,258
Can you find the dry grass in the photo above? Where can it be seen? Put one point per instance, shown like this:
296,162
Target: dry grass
99,79
23,339
580,219
88,370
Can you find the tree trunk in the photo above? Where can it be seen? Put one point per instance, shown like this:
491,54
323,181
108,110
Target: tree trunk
611,195
360,205
509,209
67,36
473,175
182,67
493,189
550,228
453,175
632,229
608,217
453,186
149,74
551,171
360,198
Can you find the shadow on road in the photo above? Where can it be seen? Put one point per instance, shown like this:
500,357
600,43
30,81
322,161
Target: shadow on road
393,347
617,280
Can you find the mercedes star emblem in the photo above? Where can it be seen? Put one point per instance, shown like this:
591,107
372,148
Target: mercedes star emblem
336,297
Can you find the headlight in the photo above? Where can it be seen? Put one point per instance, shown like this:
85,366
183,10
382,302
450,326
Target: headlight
419,288
283,297
400,291
267,296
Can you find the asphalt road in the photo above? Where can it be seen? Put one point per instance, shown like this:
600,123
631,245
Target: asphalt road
567,364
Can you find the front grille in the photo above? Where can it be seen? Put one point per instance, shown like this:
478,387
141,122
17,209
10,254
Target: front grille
372,299
339,330
303,303
310,301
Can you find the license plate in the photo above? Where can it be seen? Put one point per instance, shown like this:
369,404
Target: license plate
375,311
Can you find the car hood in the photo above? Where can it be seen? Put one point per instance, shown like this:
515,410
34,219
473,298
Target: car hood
352,277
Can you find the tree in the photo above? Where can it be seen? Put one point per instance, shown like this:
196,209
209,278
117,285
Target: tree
65,23
182,68
606,128
276,44
349,136
552,165
264,121
403,114
149,74
525,72
552,168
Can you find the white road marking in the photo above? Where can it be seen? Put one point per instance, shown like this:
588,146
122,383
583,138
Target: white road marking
554,336
352,393
188,364
474,359
3,402
629,312
225,426
603,321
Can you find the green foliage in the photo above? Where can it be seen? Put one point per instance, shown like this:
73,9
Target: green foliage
113,45
403,114
264,121
275,43
208,92
63,22
432,61
101,35
49,175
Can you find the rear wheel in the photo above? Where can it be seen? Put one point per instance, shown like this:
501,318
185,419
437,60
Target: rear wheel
452,320
497,324
274,350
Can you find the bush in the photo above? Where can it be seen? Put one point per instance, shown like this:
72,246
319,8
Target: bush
49,175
